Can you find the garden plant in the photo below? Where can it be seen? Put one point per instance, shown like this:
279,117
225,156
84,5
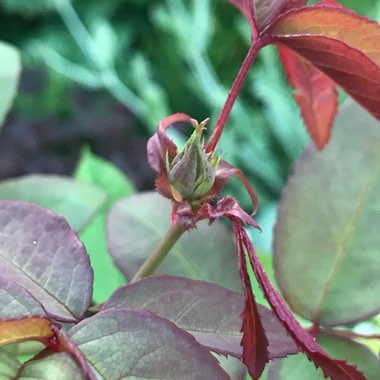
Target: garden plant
199,304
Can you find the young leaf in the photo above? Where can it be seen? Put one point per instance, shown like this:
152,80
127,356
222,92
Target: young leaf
336,369
59,366
77,202
122,343
343,45
255,342
207,311
315,94
40,252
10,67
23,329
336,194
16,302
299,368
137,223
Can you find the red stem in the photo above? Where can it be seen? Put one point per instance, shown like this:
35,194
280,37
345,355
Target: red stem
351,334
233,94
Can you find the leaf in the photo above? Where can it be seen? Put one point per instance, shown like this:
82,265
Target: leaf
315,94
20,330
122,343
40,252
96,171
10,68
343,45
8,365
16,302
59,366
234,367
255,342
326,237
137,223
75,201
299,368
336,369
207,311
30,7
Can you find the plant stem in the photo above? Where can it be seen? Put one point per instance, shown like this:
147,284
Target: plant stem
159,253
233,94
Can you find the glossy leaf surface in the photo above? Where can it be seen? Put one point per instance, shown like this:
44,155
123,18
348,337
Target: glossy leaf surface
207,311
93,170
137,344
40,252
10,67
58,366
16,302
20,330
299,368
326,236
137,223
77,202
343,45
315,94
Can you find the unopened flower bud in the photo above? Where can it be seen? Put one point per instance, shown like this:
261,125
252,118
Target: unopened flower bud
192,171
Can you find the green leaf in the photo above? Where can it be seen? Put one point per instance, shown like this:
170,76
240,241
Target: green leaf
58,366
10,68
326,249
77,202
40,252
94,170
30,7
8,365
299,368
137,223
136,344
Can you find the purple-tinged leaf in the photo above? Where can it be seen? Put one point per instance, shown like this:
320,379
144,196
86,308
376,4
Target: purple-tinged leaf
207,311
122,343
40,252
336,369
59,366
76,201
299,368
327,233
255,342
137,223
16,302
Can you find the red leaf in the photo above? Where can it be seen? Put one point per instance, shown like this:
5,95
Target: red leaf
342,44
246,7
159,143
254,342
315,94
336,369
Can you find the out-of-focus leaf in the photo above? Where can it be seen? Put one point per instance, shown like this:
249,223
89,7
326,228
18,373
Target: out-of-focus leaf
299,368
58,366
326,238
125,343
8,365
30,7
234,367
342,44
77,202
10,67
137,223
40,252
96,171
16,302
207,311
20,330
315,94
